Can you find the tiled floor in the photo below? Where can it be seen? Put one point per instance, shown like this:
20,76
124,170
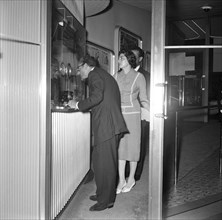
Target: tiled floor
207,212
200,183
197,194
200,187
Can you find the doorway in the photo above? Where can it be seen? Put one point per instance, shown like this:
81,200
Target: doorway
179,102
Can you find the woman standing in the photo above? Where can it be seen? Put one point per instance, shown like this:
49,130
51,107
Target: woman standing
133,92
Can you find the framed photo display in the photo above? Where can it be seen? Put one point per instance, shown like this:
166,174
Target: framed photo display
104,56
124,39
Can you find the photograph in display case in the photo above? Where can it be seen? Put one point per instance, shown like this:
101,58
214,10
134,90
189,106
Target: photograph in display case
104,56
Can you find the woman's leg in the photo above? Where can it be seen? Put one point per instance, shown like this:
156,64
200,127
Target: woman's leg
131,179
121,169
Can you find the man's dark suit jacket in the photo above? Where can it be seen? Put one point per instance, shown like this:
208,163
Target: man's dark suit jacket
104,101
147,77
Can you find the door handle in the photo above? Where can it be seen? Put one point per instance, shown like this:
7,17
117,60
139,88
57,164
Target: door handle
202,82
165,89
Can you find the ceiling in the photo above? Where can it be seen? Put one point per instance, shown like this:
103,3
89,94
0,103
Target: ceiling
181,9
188,15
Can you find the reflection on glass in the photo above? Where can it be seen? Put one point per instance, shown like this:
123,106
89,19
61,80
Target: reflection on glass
189,24
186,78
187,32
68,46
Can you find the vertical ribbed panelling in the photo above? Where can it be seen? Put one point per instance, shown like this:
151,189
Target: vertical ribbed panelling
19,129
20,20
19,109
70,155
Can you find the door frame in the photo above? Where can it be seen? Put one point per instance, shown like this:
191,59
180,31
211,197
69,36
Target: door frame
156,109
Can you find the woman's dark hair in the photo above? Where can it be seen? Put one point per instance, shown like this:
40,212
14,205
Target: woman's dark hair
129,56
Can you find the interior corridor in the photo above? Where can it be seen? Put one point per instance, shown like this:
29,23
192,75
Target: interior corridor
196,196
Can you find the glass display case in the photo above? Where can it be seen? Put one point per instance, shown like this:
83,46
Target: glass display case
68,45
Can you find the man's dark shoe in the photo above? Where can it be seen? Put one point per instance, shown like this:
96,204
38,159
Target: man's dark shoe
99,207
93,198
137,178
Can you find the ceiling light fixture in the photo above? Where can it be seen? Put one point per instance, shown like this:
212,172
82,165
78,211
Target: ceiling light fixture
206,8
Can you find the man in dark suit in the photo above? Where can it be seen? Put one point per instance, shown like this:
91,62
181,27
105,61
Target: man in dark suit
144,117
108,126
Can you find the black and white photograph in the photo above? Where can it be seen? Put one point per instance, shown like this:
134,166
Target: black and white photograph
111,109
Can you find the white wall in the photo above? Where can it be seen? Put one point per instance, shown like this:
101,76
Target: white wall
101,27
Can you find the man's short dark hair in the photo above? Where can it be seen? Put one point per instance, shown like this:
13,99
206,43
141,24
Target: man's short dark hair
140,51
89,60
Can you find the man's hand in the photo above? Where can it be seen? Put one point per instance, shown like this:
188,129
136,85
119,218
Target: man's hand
145,114
72,103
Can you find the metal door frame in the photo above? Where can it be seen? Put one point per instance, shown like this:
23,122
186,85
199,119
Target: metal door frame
156,109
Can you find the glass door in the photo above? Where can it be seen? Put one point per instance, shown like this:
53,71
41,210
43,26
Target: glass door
191,137
182,138
185,78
